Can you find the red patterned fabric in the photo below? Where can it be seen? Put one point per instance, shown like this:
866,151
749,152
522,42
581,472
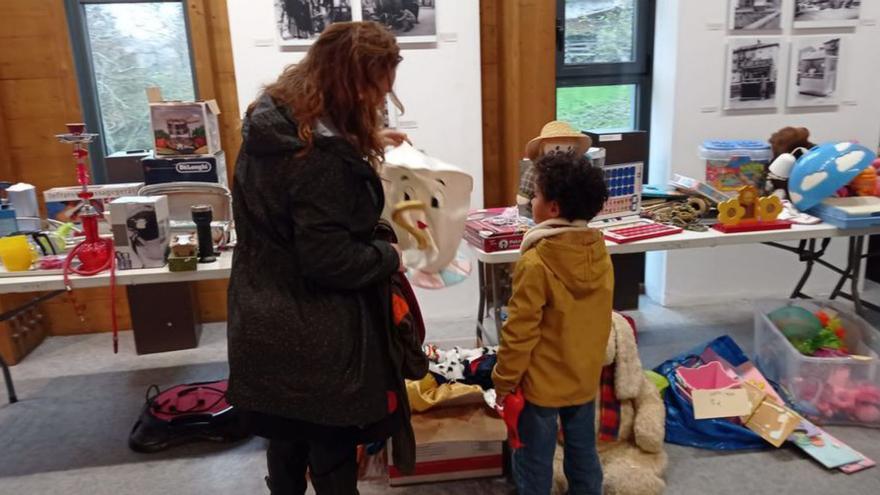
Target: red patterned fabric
609,412
399,307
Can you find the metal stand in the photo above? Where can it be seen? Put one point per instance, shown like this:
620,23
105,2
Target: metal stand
494,292
7,377
811,256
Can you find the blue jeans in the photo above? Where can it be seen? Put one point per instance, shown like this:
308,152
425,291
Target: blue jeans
533,464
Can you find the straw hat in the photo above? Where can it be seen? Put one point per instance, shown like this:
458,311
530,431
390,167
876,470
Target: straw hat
558,129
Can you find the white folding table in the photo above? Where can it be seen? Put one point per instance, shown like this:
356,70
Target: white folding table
51,283
813,241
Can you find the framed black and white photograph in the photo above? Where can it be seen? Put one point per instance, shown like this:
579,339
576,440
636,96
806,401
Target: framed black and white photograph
413,21
815,71
753,73
755,15
826,13
299,22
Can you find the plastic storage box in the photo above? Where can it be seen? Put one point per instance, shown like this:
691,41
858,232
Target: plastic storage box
849,213
843,390
731,165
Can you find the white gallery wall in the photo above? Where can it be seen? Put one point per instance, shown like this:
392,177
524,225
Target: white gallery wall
439,84
689,85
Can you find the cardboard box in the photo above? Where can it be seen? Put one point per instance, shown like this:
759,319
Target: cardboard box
454,443
489,231
141,231
202,168
63,203
184,127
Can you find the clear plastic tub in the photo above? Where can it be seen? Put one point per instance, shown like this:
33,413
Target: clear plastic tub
731,165
845,390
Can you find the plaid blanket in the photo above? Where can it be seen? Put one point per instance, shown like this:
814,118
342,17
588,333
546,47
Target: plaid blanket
609,407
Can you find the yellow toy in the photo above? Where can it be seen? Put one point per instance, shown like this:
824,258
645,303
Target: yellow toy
749,212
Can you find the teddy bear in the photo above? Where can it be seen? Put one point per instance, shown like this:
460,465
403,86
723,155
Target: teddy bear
633,460
787,144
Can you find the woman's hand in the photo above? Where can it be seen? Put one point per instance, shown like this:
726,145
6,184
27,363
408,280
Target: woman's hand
393,137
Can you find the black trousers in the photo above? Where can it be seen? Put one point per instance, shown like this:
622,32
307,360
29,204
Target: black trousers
328,453
333,467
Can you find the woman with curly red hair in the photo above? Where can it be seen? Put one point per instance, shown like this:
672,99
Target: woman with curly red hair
309,298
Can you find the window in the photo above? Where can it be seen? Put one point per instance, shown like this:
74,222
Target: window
603,66
122,47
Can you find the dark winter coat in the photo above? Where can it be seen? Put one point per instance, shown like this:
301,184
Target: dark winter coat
309,291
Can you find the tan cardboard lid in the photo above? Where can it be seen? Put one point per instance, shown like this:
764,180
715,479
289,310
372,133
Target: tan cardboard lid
458,424
154,95
213,106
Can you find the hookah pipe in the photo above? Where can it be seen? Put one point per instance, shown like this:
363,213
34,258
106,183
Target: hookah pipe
94,253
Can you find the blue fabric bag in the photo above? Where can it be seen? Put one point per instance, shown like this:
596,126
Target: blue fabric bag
712,434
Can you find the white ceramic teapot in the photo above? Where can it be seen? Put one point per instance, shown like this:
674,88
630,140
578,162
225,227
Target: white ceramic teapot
427,202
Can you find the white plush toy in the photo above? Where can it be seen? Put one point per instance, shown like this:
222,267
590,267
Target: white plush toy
427,202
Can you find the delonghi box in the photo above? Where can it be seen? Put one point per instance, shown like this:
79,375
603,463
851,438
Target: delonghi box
202,168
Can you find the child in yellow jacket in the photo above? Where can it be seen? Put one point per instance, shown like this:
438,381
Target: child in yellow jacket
553,343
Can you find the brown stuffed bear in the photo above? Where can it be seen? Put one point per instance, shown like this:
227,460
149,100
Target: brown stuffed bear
634,463
788,139
785,140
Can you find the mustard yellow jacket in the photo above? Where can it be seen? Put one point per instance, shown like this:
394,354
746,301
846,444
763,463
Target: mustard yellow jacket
559,317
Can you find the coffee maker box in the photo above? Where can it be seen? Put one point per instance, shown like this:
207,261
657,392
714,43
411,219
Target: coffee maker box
204,168
141,231
184,127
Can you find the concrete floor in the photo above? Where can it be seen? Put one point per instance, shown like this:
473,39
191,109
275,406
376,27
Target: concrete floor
78,402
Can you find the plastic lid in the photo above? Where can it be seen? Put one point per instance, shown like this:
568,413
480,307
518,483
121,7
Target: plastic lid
826,168
728,145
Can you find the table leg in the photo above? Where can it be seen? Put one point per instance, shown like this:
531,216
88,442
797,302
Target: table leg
481,308
7,377
809,260
497,301
847,272
856,260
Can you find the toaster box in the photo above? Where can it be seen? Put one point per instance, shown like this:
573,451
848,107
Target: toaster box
496,229
64,205
184,127
202,168
141,231
454,443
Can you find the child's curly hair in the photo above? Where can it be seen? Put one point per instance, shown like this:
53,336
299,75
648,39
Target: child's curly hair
574,183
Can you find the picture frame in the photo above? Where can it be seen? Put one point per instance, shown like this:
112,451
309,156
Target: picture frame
818,14
752,16
301,22
412,21
752,72
298,23
815,71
